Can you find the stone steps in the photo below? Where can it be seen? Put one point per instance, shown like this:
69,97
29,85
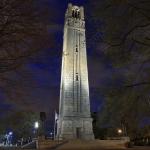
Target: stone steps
93,145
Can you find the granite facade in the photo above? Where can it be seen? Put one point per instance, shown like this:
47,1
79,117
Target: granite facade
74,109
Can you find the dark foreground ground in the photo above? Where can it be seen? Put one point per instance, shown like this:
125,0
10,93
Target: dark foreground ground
134,148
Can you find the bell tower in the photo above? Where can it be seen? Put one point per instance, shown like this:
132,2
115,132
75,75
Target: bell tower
74,120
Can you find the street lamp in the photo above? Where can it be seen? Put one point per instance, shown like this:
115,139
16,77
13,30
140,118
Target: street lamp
51,135
10,133
36,126
119,131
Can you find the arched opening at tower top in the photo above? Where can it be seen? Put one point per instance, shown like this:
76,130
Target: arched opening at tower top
76,13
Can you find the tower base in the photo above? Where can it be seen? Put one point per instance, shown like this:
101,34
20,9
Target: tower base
75,128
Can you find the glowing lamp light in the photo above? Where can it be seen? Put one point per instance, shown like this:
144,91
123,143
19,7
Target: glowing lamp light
36,125
10,133
119,131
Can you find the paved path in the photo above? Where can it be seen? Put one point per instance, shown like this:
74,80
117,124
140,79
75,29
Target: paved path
140,148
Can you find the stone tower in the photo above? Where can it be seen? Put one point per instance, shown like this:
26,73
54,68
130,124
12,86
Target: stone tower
74,120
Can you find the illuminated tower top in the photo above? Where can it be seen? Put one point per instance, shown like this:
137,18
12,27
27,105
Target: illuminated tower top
75,12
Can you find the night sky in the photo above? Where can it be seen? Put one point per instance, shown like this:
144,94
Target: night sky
42,79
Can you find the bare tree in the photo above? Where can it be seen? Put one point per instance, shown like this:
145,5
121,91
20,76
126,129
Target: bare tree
23,34
125,40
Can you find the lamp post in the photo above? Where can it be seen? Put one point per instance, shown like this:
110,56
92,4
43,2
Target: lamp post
36,126
119,131
51,135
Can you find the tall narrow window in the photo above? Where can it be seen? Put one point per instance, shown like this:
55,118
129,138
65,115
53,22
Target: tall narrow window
73,13
76,49
78,14
77,79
